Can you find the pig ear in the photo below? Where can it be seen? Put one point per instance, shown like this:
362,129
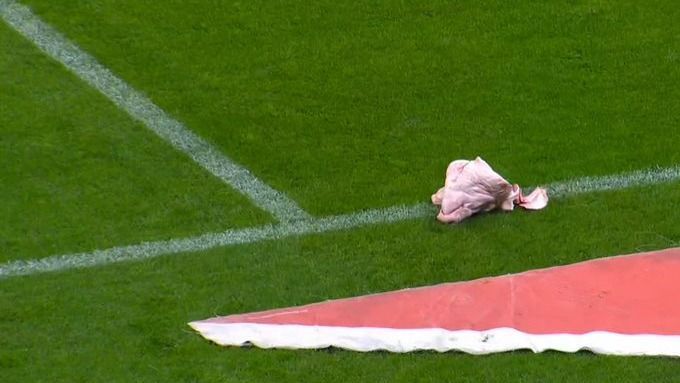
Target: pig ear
481,161
538,199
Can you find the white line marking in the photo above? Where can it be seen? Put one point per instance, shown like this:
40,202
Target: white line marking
144,110
210,241
321,225
614,182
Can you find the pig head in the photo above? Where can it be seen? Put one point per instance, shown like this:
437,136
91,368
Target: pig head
472,187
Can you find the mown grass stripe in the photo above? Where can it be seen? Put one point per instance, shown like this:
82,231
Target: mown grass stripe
320,225
144,110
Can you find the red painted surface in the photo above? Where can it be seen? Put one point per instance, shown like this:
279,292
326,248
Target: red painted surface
634,294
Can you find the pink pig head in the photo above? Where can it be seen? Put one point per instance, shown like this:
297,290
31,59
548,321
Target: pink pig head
472,187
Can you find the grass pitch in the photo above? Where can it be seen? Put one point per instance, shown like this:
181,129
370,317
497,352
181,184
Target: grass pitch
342,106
348,105
78,174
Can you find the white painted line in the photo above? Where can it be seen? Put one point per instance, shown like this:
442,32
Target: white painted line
210,241
321,225
144,110
584,185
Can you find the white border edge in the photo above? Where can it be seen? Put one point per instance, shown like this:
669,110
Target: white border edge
495,340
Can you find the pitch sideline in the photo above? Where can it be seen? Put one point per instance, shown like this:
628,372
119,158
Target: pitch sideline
234,237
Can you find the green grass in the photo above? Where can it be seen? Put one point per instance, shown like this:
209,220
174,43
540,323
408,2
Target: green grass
341,105
128,322
78,174
369,100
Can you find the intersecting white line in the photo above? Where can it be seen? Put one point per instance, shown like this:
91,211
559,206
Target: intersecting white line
144,110
294,220
321,225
